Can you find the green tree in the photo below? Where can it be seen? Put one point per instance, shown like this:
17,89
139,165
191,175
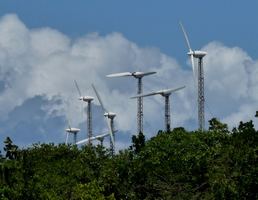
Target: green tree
138,142
216,125
10,149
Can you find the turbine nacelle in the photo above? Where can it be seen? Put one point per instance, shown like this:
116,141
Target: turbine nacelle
86,98
110,115
197,54
72,130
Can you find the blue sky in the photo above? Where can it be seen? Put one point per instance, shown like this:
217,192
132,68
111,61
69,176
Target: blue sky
148,30
147,22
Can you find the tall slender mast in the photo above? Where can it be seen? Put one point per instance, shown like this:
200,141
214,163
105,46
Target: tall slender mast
112,147
167,113
89,122
201,114
139,107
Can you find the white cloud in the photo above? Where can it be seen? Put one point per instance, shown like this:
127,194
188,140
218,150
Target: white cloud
230,82
45,62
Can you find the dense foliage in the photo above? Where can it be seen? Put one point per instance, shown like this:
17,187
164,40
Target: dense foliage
215,164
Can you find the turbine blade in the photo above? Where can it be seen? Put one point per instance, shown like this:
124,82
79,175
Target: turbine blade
145,95
186,37
69,122
93,138
82,141
176,89
110,131
100,101
119,74
159,92
148,73
100,136
77,87
82,109
193,67
66,140
104,111
103,135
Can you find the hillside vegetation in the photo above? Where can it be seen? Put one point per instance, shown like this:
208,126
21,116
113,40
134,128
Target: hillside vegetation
215,164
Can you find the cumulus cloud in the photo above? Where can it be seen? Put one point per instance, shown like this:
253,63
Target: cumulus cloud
44,62
230,82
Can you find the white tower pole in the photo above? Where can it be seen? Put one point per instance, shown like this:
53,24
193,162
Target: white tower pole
74,138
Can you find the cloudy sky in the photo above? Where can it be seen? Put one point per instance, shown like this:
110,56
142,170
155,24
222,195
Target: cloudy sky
46,45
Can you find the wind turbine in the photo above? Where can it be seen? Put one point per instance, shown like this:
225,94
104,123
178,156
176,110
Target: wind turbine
138,76
111,116
200,77
166,94
88,100
73,131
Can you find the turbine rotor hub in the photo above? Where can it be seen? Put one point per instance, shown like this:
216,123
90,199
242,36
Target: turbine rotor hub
138,74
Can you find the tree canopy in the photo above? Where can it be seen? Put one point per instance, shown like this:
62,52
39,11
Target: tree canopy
214,164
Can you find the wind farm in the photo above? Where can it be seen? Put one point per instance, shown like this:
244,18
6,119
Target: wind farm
165,93
128,100
198,82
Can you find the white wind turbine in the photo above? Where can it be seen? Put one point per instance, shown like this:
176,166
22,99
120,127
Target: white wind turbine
111,116
73,131
166,94
88,100
200,77
138,76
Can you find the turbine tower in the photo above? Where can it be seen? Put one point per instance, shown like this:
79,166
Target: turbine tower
138,76
73,131
200,77
166,94
110,123
88,100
